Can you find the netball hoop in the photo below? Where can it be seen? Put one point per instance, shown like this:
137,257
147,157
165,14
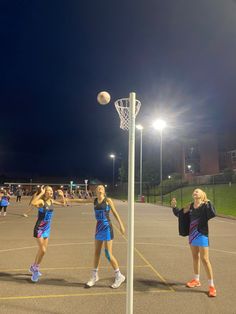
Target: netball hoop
123,109
128,109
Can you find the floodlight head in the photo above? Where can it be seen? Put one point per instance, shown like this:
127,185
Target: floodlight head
159,124
112,156
139,127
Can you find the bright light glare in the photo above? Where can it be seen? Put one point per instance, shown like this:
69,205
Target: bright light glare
159,124
112,155
139,127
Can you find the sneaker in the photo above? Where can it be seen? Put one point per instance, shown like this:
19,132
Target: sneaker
32,269
193,283
35,276
4,214
212,291
92,281
118,281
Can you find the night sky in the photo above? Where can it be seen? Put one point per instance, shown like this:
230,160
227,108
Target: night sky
178,56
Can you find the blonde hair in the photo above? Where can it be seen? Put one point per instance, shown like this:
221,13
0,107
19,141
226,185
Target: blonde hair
47,187
203,195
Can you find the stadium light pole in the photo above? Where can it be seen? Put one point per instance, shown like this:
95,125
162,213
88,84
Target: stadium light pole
140,128
113,157
160,125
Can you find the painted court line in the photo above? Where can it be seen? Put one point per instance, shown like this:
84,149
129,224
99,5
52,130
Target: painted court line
69,268
51,245
184,246
147,263
80,295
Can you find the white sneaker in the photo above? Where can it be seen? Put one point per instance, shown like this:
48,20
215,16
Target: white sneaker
4,214
92,281
118,281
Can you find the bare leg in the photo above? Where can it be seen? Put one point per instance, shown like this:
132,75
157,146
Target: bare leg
204,253
42,243
110,256
196,259
97,253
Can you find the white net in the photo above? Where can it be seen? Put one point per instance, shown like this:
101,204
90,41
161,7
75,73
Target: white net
122,107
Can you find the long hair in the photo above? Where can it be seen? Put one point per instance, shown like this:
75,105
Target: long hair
203,196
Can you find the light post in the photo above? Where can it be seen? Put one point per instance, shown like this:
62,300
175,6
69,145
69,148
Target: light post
86,187
160,125
113,157
140,128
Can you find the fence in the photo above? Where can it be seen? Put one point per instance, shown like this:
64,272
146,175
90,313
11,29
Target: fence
220,190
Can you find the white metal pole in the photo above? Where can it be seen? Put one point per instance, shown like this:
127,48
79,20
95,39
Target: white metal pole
161,166
130,257
113,172
86,186
141,162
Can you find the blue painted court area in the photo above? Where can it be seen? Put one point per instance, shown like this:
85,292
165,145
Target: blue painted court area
162,264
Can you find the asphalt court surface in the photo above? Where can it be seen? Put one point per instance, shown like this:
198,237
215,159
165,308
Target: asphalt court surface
162,264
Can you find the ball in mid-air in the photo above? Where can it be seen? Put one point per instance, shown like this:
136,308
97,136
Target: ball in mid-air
103,98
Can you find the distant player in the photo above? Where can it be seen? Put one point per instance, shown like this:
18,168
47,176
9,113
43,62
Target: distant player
4,202
193,221
45,203
104,235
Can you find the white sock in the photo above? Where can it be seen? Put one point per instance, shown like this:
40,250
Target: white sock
117,273
95,272
211,282
196,277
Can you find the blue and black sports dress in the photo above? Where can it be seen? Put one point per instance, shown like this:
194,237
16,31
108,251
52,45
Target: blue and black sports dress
104,230
4,201
196,238
43,225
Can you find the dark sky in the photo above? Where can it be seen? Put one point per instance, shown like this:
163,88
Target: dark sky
178,56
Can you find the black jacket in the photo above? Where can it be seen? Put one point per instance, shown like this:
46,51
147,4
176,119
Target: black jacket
207,212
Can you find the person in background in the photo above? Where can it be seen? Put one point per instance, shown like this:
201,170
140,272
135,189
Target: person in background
19,193
4,202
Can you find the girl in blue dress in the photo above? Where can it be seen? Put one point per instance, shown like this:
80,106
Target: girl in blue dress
45,202
4,202
104,235
193,221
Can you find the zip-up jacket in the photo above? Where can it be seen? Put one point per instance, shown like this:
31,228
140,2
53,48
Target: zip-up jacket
207,211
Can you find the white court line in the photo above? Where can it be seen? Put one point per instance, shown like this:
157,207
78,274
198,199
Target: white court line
70,268
80,295
184,246
50,245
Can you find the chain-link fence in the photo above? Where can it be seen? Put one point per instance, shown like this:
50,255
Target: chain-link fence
220,190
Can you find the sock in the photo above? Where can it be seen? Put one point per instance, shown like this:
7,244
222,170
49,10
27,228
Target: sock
211,282
95,272
196,277
117,273
36,266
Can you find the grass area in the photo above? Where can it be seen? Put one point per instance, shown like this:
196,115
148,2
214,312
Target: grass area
222,196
